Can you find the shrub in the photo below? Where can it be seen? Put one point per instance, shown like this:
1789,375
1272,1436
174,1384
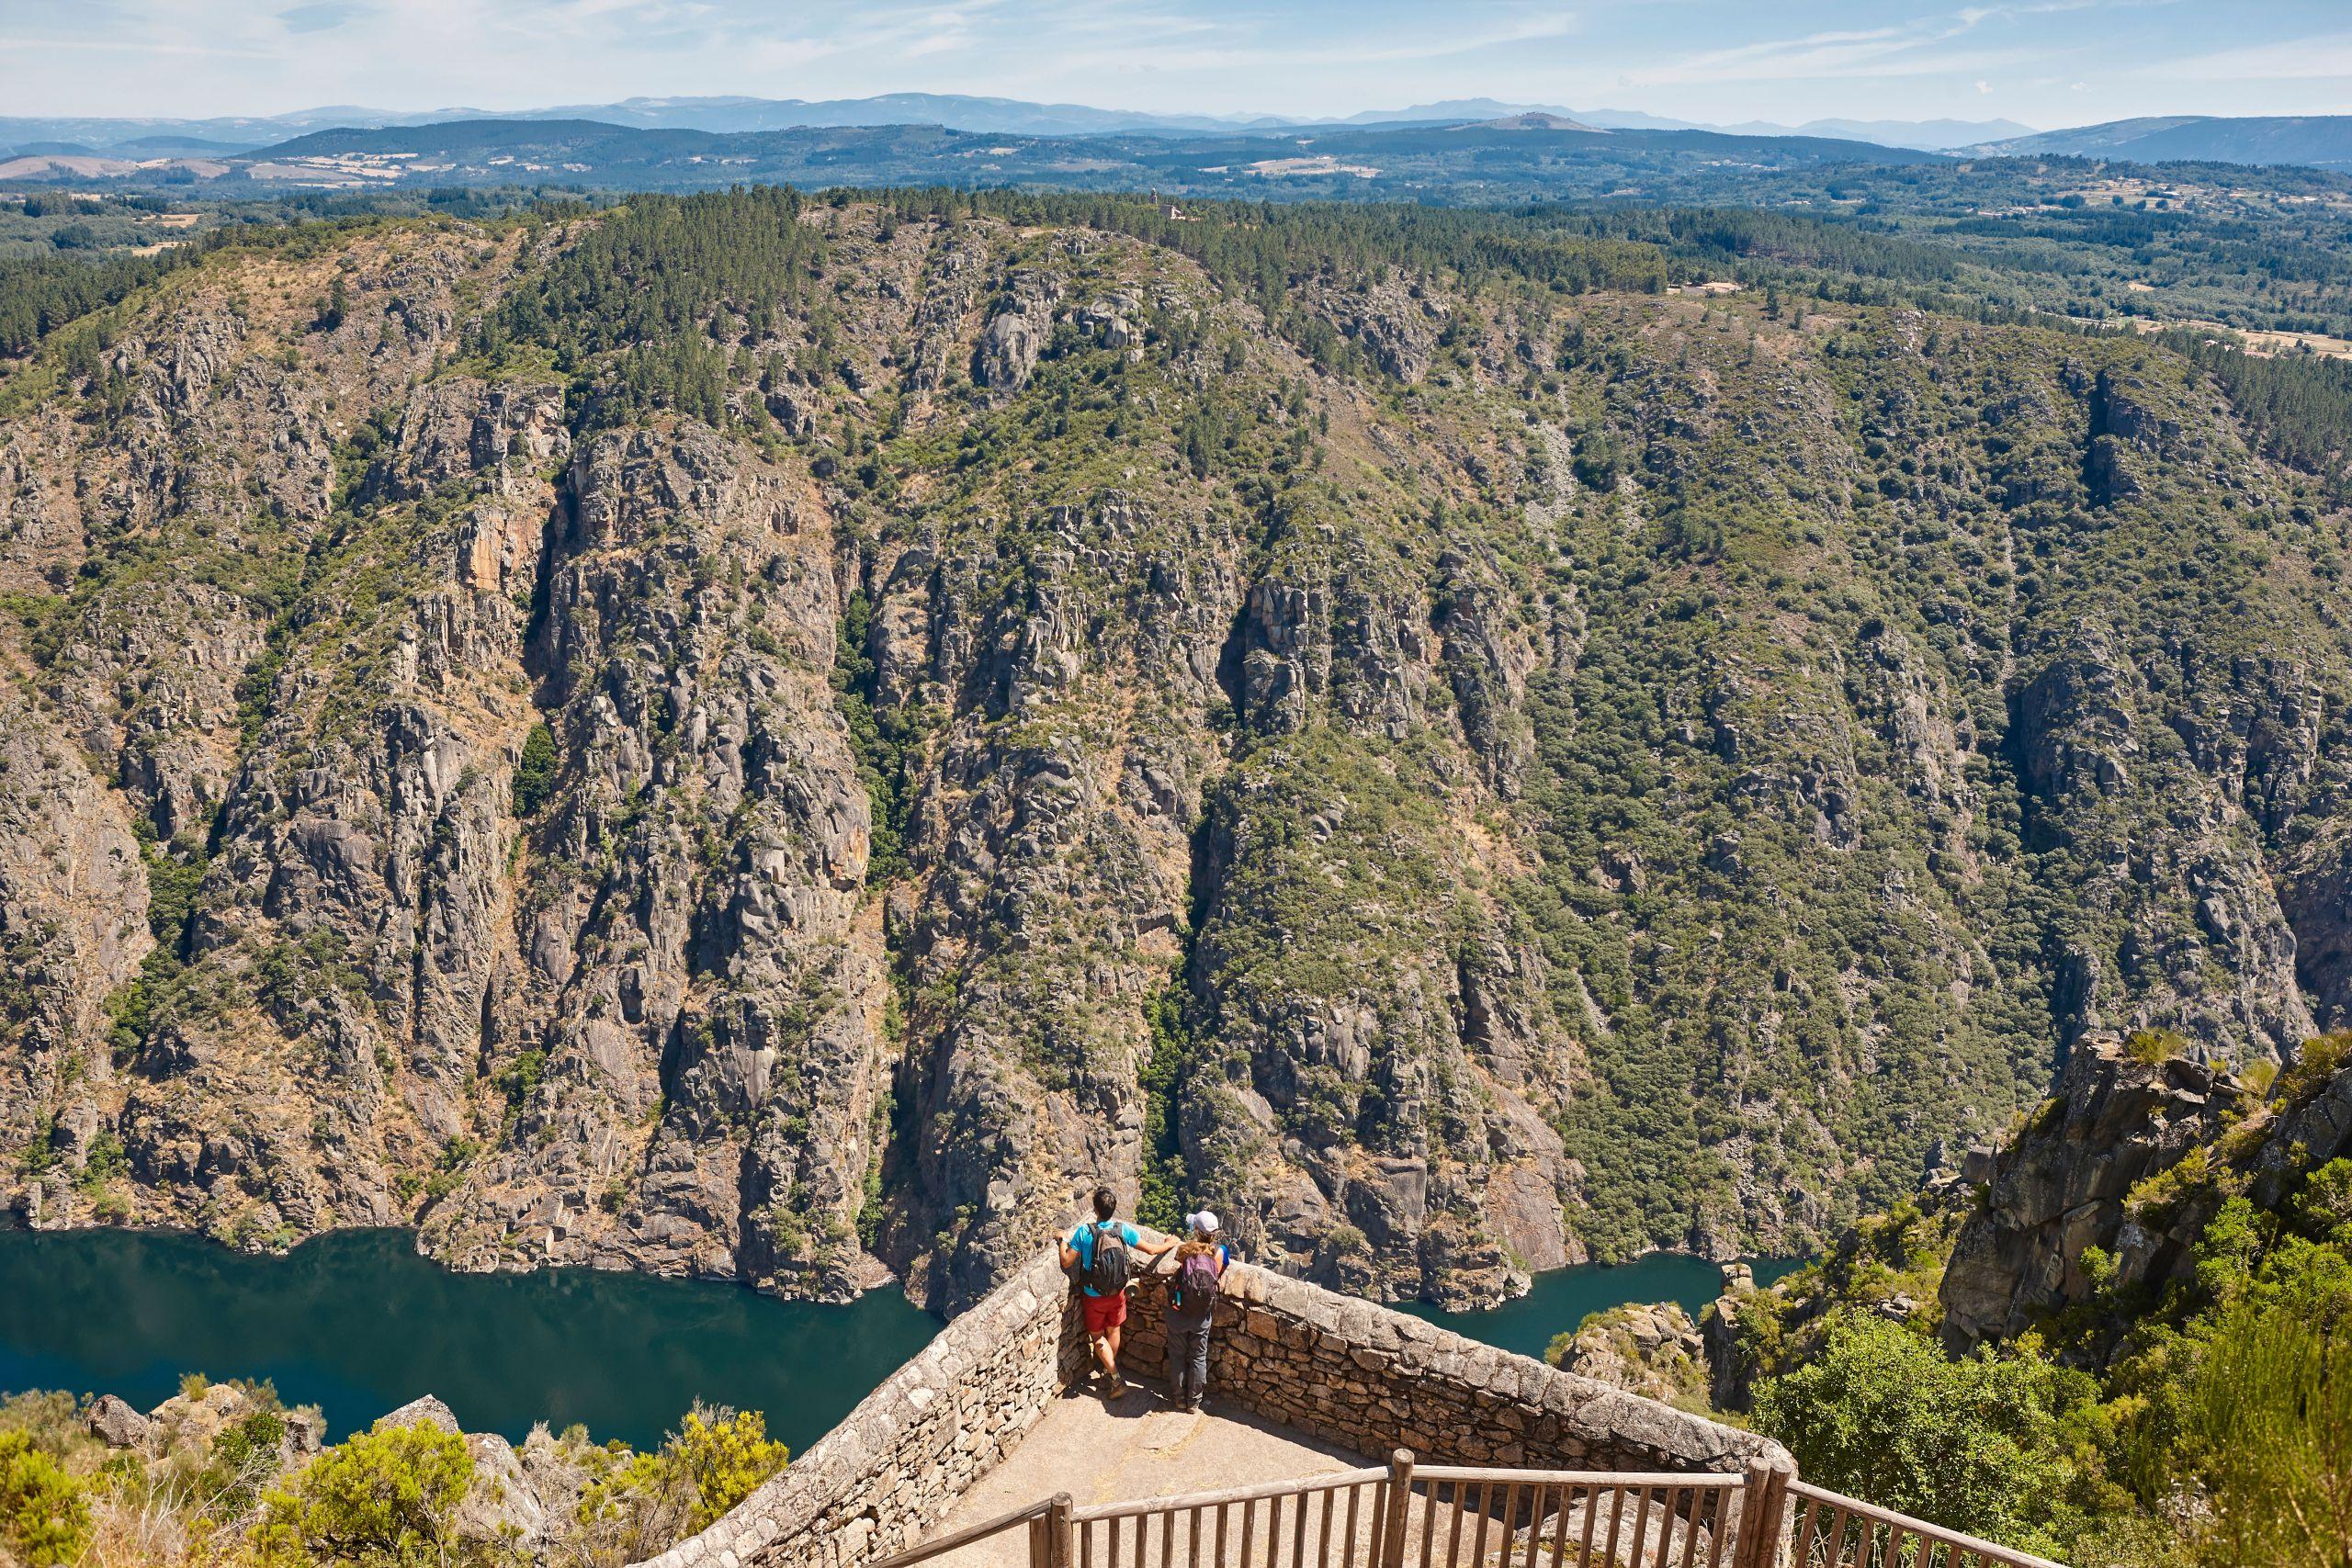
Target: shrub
2152,1047
385,1499
2153,1199
709,1464
44,1511
2271,1410
535,773
54,1420
1974,1444
2317,1062
244,1456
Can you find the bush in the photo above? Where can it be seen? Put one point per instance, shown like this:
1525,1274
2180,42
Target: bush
2152,1047
710,1464
2271,1410
2313,1066
44,1512
1974,1444
385,1499
535,773
244,1455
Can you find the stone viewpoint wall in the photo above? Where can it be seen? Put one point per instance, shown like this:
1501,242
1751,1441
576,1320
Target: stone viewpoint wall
895,1463
1347,1370
1359,1374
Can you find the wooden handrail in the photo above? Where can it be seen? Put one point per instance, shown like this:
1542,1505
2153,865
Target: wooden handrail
1937,1535
969,1534
1596,1478
1672,1508
1298,1486
1241,1494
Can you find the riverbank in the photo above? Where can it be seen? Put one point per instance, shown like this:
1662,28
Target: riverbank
357,1323
1562,1298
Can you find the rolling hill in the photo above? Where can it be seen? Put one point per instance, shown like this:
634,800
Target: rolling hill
2318,140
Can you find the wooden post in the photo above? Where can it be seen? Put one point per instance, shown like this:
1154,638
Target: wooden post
1763,1497
1060,1531
1399,1501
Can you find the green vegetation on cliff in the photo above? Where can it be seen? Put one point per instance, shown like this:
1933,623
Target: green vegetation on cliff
224,1474
697,732
2196,1416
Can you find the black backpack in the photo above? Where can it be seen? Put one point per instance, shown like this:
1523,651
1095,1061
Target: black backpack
1107,1269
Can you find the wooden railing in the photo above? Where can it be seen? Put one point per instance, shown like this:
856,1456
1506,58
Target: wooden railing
1457,1516
1839,1532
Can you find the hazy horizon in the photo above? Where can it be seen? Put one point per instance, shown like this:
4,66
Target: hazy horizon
2048,64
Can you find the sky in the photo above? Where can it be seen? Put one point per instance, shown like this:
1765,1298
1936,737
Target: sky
2044,63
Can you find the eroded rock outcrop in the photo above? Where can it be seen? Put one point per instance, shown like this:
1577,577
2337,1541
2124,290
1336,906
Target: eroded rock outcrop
2116,1160
995,712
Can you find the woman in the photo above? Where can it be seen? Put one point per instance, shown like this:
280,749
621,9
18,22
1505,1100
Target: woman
1201,1261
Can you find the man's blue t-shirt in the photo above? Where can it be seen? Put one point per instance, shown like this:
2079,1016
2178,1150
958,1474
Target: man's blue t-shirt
1081,1241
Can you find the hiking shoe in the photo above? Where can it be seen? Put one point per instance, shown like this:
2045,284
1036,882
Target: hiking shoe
1192,1407
1116,1388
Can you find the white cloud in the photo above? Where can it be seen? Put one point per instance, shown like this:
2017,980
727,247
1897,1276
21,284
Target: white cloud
1712,60
2322,59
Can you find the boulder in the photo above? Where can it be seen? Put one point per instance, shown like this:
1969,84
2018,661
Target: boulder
304,1431
192,1421
117,1424
501,1504
426,1412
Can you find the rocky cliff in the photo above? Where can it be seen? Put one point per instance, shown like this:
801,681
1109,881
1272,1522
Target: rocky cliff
779,741
2132,1156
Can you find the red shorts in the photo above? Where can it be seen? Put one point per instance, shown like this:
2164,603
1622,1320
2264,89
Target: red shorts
1104,1314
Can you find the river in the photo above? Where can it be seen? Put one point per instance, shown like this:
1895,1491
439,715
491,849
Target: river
357,1323
1563,1298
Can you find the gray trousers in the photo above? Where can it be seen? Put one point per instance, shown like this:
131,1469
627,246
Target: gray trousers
1188,1357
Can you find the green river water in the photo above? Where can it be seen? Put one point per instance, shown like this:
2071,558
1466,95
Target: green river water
357,1323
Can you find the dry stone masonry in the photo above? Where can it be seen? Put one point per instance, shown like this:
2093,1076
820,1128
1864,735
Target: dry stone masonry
1372,1379
914,1445
1344,1370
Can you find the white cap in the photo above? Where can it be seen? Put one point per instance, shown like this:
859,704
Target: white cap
1204,1221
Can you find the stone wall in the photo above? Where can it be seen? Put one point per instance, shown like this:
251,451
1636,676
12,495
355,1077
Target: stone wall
1371,1379
895,1463
1350,1371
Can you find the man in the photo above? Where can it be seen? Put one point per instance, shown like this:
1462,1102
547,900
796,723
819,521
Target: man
1103,1254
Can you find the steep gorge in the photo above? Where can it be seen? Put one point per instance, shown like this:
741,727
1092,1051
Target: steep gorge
749,791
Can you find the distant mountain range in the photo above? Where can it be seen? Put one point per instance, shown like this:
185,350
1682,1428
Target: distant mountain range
1519,157
680,143
2320,141
149,138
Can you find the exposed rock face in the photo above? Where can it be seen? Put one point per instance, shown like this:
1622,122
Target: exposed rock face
72,929
1719,1339
2066,1184
717,976
114,1423
1034,723
193,1421
2061,1187
1654,1352
1014,337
